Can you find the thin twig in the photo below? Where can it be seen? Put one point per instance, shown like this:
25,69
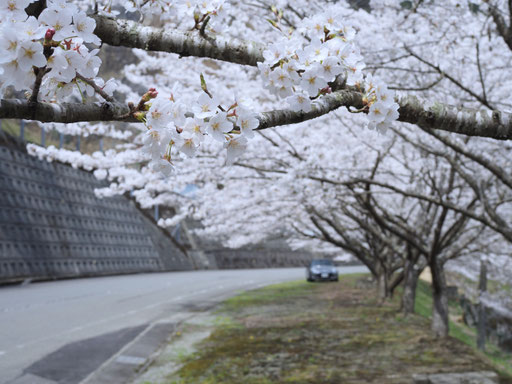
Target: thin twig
425,88
40,72
203,26
96,88
480,70
481,99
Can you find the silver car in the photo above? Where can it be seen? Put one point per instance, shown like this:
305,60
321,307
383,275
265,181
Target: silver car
321,270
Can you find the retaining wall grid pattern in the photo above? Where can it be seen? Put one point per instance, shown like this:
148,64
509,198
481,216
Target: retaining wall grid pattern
53,226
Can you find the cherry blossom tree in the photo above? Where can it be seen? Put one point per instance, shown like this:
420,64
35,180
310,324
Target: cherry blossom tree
303,100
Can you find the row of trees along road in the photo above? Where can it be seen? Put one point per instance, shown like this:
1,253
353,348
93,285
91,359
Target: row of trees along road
379,129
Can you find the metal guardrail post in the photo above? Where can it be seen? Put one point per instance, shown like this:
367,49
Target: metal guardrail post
78,143
61,140
43,137
156,213
101,145
176,233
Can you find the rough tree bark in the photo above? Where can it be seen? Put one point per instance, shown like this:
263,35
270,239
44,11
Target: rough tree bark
440,325
382,286
412,271
482,326
411,275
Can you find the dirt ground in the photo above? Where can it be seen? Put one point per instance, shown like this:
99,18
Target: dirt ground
318,333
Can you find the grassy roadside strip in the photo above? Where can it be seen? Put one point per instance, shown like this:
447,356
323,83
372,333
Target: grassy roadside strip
319,333
500,360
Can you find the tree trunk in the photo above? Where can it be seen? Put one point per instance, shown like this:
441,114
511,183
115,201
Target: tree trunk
482,326
410,284
382,286
440,325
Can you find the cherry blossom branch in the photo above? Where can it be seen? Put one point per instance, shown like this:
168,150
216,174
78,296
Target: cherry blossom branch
65,112
471,122
133,35
322,106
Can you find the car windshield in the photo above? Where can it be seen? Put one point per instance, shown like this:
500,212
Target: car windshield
322,262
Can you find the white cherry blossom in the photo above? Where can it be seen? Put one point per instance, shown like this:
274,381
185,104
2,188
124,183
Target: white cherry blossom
330,68
91,64
235,147
247,122
60,20
312,81
159,114
206,106
30,53
299,101
218,126
84,27
9,41
13,10
196,127
32,29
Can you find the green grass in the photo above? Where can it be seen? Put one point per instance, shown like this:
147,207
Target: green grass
271,293
312,333
423,306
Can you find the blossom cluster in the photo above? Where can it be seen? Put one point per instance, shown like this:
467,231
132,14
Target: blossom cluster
171,130
54,46
305,64
300,66
383,109
197,10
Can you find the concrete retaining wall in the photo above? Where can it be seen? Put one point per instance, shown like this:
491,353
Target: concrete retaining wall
259,258
53,226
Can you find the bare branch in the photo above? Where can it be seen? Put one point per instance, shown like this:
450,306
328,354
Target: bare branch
495,169
481,99
504,30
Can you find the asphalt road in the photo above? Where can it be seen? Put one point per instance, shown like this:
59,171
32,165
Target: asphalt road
67,331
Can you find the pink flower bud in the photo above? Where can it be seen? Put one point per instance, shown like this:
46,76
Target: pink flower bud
50,32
